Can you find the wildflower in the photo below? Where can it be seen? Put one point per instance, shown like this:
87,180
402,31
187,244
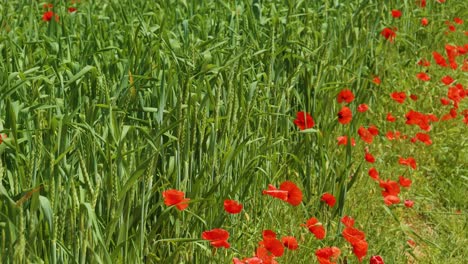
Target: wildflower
373,173
47,16
273,245
328,199
345,115
390,117
327,255
365,134
447,80
289,242
218,237
288,192
422,3
423,76
2,137
353,235
458,20
175,197
439,59
232,207
425,138
404,182
315,227
444,101
71,10
389,34
369,157
348,221
360,249
398,96
413,97
410,161
376,260
304,121
377,80
345,96
343,140
390,192
396,13
424,22
409,203
362,108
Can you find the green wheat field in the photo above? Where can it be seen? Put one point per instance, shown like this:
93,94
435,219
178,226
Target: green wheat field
234,131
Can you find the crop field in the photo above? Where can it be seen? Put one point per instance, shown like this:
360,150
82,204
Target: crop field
234,131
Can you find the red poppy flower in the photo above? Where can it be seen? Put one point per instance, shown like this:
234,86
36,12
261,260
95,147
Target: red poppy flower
398,96
353,235
409,203
411,242
424,22
288,192
373,130
343,140
273,245
422,3
369,157
413,97
404,182
360,249
458,20
423,76
373,173
376,260
408,162
425,138
391,199
390,117
390,187
304,121
444,101
362,108
447,80
47,16
345,96
48,6
377,80
389,34
419,119
439,59
218,237
316,228
265,256
268,233
71,10
290,242
327,255
365,135
328,199
348,221
396,13
232,207
345,115
175,197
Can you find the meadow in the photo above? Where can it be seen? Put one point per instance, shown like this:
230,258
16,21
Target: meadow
241,131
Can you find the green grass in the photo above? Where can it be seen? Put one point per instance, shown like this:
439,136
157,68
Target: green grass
116,103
